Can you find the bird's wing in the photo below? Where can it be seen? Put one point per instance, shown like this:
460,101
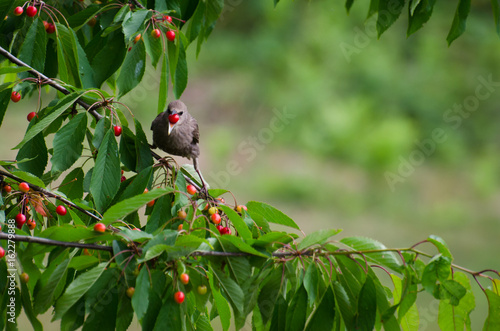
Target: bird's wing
196,134
156,121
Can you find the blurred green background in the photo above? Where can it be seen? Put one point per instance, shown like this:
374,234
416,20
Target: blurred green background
356,118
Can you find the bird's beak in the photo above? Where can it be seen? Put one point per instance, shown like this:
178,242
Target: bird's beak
170,127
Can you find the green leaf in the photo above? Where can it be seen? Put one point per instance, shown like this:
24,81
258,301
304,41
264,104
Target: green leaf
130,205
103,65
241,245
367,306
457,317
181,71
237,221
163,93
36,151
296,312
138,184
133,22
459,21
388,13
311,279
53,113
27,177
102,127
440,245
106,175
419,15
317,238
345,305
492,322
231,288
83,262
405,299
196,21
128,156
387,259
270,214
438,268
12,70
28,310
46,296
72,185
34,46
269,294
140,300
278,321
170,316
495,6
67,143
143,152
153,48
219,301
132,69
4,102
348,5
324,315
452,290
77,289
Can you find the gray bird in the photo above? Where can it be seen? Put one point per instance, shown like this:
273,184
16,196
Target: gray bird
176,132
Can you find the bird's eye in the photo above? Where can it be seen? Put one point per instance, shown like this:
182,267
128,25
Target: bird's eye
180,113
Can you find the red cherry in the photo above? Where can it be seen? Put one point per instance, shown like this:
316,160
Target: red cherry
156,33
225,230
18,11
118,130
100,227
31,11
179,297
20,220
179,228
50,28
220,228
173,118
7,188
24,277
170,35
191,189
184,278
168,18
61,210
150,203
24,187
31,116
123,179
15,96
215,218
137,38
2,252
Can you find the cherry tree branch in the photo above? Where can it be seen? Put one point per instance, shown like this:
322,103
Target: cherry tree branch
49,81
50,242
50,194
